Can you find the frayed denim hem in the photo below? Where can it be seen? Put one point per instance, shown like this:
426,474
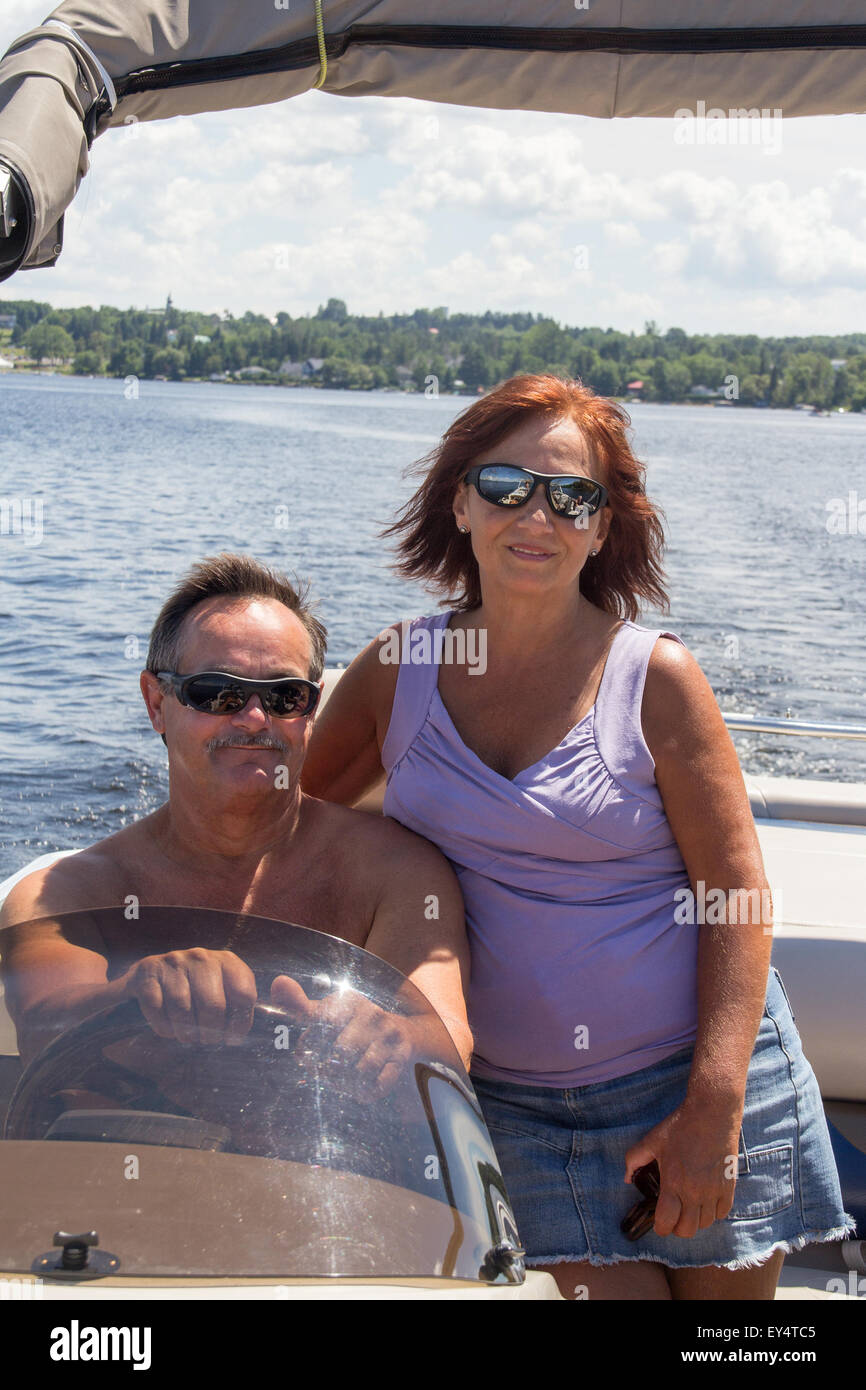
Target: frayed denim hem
747,1261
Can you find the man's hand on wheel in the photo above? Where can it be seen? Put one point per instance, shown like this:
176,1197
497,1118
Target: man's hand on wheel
195,996
363,1044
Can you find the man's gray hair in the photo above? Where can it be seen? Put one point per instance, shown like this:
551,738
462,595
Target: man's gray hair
237,577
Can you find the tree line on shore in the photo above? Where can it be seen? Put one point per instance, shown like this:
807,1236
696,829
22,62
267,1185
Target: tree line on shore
434,350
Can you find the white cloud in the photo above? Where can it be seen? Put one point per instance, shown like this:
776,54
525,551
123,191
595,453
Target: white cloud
769,235
633,307
377,265
623,233
849,184
692,197
669,258
294,132
287,190
491,167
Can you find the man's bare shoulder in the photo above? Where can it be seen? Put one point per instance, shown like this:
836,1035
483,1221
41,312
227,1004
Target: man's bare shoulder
97,876
376,842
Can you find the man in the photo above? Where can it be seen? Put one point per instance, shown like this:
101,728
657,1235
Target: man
238,834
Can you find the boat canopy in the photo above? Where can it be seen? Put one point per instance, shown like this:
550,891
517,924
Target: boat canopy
94,64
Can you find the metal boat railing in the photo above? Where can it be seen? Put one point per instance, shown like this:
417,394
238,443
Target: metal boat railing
755,724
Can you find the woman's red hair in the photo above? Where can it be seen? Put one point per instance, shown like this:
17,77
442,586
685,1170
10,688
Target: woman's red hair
627,568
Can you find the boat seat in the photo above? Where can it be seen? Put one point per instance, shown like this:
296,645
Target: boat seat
794,798
8,1040
819,943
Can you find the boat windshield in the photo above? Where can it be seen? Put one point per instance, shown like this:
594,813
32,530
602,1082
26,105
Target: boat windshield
337,1135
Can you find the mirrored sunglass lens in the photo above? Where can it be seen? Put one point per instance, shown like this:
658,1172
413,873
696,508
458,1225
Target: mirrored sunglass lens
572,495
216,697
283,700
507,487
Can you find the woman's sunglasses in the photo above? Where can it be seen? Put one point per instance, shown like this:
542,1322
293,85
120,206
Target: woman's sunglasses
640,1219
506,485
218,692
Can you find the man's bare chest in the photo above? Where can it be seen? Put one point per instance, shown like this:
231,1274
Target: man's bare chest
316,895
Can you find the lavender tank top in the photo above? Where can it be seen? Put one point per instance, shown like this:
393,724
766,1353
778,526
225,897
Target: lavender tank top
568,871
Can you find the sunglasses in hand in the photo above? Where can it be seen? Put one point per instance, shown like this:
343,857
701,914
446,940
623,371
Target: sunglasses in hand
639,1220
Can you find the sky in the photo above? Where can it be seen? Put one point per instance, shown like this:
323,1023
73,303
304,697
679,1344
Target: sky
392,204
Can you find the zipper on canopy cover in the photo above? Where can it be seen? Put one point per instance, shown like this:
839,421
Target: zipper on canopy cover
322,47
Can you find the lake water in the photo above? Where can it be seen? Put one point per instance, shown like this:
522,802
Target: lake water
769,600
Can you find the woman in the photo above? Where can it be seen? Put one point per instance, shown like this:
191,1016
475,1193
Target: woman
581,780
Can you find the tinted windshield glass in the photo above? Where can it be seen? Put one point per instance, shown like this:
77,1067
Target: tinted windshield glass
335,1134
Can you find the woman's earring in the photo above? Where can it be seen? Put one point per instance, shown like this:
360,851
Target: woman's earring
464,530
593,552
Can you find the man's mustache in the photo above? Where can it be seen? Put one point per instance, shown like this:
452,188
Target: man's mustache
247,741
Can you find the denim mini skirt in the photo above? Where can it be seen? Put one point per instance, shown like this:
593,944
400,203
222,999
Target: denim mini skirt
562,1154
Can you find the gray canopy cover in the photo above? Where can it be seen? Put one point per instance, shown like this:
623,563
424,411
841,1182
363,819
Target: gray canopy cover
100,63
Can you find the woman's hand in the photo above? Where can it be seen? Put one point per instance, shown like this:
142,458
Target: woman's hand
696,1151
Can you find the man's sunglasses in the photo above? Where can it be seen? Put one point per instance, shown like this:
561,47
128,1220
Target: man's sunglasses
218,692
506,485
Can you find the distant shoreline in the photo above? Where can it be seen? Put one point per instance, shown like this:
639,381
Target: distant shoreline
701,402
432,351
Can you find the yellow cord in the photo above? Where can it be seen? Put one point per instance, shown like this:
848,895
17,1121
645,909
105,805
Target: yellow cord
323,56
